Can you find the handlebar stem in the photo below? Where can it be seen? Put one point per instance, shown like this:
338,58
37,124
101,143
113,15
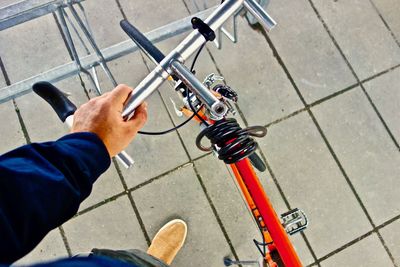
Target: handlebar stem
213,104
182,52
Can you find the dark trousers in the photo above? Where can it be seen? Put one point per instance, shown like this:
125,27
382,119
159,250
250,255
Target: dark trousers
134,256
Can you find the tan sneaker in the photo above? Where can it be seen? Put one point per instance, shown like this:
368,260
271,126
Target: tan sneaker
168,241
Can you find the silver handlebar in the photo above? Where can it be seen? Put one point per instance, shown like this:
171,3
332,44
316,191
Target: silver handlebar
170,64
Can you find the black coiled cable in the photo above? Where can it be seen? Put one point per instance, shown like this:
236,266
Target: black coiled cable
234,142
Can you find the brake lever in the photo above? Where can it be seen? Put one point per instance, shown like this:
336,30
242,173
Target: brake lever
65,110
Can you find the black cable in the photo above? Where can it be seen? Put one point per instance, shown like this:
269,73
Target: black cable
235,143
195,58
195,112
170,130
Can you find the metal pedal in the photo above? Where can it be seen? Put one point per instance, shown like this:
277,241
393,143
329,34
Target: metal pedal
294,221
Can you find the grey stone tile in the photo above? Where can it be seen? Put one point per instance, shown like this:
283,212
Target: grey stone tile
365,150
5,3
367,252
179,195
2,82
189,131
112,226
312,181
154,155
307,51
50,248
104,17
391,235
249,67
361,35
32,47
385,94
389,10
41,121
10,130
106,186
198,5
129,70
148,15
233,211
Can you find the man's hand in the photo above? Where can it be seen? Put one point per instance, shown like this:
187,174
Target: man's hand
102,116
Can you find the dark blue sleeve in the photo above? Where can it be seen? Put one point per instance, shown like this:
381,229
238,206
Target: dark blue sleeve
42,186
92,261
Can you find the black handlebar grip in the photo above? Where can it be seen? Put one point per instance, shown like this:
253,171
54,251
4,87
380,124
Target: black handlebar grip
141,41
57,100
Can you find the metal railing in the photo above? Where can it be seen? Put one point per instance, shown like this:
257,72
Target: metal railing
72,18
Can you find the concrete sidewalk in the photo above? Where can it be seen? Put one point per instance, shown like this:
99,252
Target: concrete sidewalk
326,83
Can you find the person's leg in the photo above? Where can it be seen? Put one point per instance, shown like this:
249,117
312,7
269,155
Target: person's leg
134,256
162,251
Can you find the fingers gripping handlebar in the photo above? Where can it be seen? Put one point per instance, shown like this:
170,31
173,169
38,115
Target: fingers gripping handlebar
170,65
65,110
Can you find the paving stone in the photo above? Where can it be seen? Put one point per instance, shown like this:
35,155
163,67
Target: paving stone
148,15
189,131
361,35
112,226
5,3
391,235
50,248
104,17
179,195
198,5
41,121
10,130
385,93
36,46
154,155
390,12
249,67
311,180
106,186
365,150
306,49
233,211
2,82
367,252
131,70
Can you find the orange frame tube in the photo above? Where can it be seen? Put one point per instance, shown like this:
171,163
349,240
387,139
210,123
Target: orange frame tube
257,200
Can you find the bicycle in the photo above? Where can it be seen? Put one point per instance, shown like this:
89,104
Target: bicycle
208,103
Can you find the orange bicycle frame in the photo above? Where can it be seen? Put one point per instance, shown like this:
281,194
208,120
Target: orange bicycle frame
262,210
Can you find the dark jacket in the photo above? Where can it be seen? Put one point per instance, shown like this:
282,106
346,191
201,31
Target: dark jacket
41,187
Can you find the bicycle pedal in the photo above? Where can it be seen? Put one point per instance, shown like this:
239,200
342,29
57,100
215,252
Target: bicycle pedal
294,221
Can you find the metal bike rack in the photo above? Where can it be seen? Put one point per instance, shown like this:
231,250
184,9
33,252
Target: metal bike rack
73,18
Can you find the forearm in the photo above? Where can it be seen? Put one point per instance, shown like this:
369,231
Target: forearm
42,186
